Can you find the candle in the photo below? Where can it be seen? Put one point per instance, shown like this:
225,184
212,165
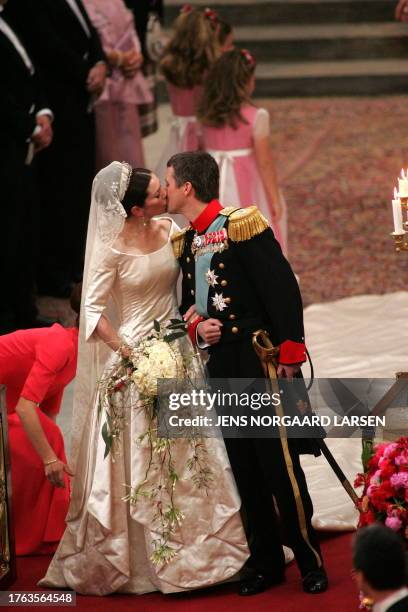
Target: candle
403,185
397,214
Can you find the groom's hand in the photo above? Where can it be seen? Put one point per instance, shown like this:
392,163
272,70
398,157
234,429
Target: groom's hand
190,315
210,330
288,371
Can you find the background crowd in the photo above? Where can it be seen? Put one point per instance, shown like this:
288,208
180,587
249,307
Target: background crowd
76,92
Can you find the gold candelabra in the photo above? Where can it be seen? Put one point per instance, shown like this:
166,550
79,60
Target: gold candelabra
399,206
401,238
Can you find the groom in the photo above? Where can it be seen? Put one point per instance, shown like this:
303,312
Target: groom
235,274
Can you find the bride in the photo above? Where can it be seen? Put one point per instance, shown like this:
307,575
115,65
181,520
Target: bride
110,543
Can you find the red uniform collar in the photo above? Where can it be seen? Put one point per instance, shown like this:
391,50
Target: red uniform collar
210,212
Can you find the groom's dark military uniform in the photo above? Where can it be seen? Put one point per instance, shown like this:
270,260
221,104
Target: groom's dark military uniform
249,285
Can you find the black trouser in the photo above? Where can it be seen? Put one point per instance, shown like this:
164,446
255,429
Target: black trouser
17,304
263,469
65,173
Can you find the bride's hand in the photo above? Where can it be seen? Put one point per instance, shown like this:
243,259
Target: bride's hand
191,315
54,472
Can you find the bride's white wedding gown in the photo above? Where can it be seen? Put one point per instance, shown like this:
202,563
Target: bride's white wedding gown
108,542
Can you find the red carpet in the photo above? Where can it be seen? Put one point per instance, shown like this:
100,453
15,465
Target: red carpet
341,596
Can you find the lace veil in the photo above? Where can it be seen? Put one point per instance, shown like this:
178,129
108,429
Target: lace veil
106,220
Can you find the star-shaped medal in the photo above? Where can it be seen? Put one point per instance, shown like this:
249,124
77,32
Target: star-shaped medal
219,302
211,278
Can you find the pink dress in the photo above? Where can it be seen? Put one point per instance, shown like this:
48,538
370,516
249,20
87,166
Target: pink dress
185,132
240,181
118,135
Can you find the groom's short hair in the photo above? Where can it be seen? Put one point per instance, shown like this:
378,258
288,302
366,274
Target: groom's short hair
201,170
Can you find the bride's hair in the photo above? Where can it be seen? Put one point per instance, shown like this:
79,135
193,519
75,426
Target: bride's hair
136,191
192,49
222,98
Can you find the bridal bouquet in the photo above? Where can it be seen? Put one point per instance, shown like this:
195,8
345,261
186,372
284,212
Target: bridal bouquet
132,384
151,359
385,493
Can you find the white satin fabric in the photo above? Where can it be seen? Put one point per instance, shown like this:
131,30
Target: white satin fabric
362,336
108,542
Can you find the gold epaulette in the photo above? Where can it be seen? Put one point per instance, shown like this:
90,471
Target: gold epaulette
228,210
177,241
245,223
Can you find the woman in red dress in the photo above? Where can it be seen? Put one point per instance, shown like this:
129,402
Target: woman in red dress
35,366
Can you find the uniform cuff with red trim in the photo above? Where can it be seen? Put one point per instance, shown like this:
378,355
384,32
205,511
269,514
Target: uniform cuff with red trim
292,352
191,329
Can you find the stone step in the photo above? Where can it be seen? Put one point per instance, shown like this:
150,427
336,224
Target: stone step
327,78
330,41
257,12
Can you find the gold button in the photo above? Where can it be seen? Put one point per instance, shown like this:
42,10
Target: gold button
232,317
221,265
189,275
192,292
224,283
234,330
187,259
227,300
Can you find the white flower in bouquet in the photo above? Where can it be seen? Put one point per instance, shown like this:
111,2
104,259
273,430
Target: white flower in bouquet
159,360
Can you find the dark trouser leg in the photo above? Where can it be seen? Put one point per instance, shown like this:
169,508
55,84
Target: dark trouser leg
65,173
17,302
235,361
286,481
262,527
26,310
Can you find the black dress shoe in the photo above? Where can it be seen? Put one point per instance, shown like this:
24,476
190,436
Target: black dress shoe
258,584
315,582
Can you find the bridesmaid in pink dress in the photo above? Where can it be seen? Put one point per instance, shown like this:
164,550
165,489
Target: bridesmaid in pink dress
236,133
118,135
191,51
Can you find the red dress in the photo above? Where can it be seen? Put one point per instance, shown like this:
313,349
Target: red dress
37,364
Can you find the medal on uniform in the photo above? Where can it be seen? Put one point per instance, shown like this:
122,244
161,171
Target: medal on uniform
219,302
211,242
211,278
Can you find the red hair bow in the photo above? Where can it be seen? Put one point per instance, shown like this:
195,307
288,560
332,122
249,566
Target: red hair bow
187,8
249,57
211,15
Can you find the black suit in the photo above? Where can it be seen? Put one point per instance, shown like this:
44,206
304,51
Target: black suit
141,10
64,54
260,292
20,100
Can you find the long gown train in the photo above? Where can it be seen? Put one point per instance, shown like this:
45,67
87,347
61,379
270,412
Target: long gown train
108,543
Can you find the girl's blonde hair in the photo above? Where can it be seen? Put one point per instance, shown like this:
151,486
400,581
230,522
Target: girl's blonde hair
226,89
192,49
